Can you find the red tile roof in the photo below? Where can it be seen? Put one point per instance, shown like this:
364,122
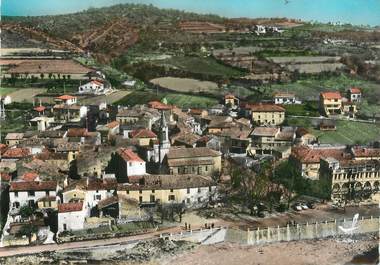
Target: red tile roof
33,185
101,184
142,133
76,132
3,148
65,97
40,108
229,96
112,124
16,153
70,207
355,90
306,154
265,107
331,95
196,111
129,156
30,176
96,82
159,105
366,152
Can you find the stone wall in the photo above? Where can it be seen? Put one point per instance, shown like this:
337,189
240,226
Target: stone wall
299,232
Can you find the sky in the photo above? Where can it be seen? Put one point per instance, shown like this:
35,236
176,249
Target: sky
358,12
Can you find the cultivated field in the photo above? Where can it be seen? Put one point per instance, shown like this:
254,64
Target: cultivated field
348,132
180,100
315,68
199,65
185,84
49,66
110,99
25,94
303,59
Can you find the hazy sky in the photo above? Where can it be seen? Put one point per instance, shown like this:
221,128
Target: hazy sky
352,11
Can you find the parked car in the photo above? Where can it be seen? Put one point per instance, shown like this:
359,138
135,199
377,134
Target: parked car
297,207
304,207
311,205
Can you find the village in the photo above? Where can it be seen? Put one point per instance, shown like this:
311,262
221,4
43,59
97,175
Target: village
81,170
184,135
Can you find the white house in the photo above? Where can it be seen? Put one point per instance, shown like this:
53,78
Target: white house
29,192
135,166
89,191
129,83
354,94
66,99
285,98
94,87
71,216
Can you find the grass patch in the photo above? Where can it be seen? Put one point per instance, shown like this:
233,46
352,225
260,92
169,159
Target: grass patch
348,132
180,100
310,108
308,88
7,90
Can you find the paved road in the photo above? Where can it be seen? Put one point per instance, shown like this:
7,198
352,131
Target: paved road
22,250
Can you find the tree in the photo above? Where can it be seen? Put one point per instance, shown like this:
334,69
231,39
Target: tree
252,187
26,211
27,230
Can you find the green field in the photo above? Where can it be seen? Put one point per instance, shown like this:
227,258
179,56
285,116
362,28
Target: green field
200,65
180,100
348,132
310,87
6,90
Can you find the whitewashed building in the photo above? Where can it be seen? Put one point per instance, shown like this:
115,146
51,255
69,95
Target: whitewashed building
95,87
29,192
135,166
71,216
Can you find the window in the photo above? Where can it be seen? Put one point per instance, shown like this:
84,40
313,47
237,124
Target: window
206,169
130,164
140,191
153,191
127,191
209,189
140,199
31,193
171,197
199,190
64,227
199,199
188,200
16,194
171,190
47,193
188,190
98,197
152,198
16,204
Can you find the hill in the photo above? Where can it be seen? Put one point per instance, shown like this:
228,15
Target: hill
106,32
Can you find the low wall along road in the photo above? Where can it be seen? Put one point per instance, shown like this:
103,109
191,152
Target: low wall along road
300,232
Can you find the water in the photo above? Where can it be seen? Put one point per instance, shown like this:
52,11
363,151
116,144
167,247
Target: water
357,12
